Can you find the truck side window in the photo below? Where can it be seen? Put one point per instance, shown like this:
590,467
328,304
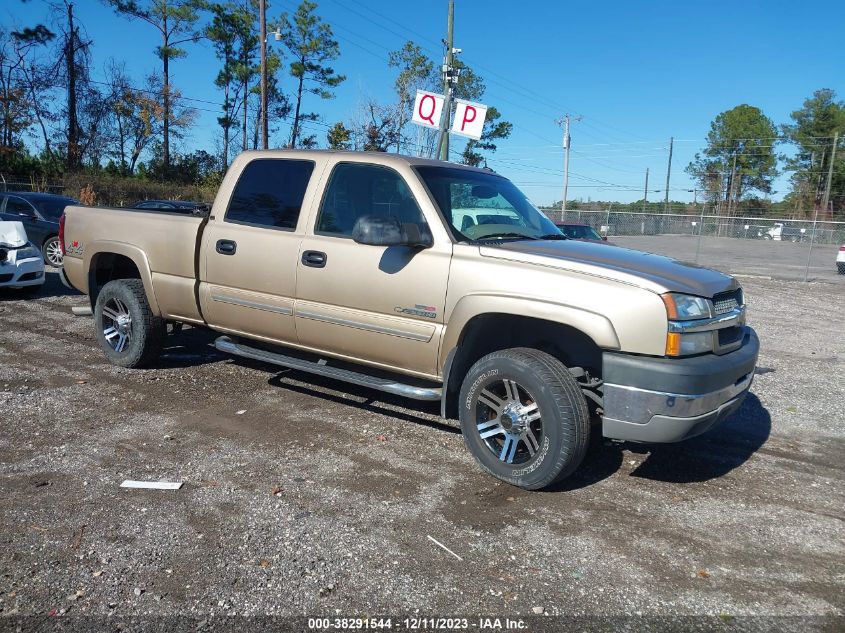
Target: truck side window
270,192
357,189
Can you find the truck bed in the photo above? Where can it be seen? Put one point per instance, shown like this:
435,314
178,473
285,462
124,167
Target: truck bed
163,245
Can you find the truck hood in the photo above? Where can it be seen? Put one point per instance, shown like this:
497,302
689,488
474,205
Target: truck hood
12,234
652,272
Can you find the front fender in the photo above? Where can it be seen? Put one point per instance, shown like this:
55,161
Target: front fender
138,257
593,324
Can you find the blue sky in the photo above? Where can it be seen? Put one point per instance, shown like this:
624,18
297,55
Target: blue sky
637,72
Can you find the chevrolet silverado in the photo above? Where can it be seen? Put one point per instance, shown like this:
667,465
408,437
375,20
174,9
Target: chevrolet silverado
430,280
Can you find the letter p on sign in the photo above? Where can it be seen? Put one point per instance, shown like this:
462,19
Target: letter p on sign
469,119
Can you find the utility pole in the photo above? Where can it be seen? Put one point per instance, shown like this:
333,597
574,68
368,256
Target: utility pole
645,190
448,85
731,201
73,157
826,198
262,19
825,201
567,141
668,175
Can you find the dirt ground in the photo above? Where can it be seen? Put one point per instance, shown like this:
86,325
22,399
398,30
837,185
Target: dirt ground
303,496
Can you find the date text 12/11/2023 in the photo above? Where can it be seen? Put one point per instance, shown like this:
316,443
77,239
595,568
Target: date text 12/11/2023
418,624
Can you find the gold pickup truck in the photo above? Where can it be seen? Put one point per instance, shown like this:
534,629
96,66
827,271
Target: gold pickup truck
433,281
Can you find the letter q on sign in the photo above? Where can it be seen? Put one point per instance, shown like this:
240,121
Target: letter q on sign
469,119
428,108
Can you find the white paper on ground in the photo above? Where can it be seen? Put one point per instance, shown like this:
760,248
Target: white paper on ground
154,485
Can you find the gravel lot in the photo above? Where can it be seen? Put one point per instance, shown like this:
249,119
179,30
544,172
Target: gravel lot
305,496
776,260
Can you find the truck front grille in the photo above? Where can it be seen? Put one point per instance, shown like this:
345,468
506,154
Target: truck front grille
727,301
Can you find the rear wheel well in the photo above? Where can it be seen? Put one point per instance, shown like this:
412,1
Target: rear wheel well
488,333
106,267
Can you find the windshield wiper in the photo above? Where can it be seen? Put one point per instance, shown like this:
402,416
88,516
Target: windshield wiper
521,236
553,236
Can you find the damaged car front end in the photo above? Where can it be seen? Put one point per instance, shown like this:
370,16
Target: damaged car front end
21,263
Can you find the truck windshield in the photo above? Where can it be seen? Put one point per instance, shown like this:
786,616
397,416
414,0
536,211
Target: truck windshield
484,207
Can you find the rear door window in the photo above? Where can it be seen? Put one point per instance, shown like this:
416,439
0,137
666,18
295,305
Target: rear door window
269,193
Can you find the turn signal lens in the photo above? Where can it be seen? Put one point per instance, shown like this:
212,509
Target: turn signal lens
673,344
669,302
678,344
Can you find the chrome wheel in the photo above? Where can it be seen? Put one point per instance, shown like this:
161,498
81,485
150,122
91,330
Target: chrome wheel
53,253
117,324
508,421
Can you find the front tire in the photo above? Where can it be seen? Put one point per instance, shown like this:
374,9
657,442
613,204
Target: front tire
125,326
524,418
52,251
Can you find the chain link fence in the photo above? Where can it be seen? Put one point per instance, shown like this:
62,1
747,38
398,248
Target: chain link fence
611,223
109,190
720,241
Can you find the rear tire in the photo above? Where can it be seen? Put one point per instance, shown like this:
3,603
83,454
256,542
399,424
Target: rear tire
840,266
125,326
524,418
52,251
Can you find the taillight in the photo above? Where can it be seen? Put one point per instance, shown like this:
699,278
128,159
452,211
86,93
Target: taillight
842,248
62,233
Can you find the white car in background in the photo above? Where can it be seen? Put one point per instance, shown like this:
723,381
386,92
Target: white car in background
21,263
840,260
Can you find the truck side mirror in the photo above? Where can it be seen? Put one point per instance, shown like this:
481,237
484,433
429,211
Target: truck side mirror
378,230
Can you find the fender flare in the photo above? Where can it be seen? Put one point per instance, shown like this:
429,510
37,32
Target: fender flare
135,254
594,325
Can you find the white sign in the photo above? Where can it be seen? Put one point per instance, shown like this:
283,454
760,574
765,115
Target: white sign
469,119
428,108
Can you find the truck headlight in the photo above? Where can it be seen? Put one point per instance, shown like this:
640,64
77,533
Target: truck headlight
678,344
681,307
686,307
28,252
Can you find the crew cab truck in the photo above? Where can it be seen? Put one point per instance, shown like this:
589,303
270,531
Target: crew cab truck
433,281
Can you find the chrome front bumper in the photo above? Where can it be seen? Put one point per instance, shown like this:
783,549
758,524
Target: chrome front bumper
699,393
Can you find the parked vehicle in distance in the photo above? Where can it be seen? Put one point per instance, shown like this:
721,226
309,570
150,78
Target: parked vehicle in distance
176,206
782,232
840,260
21,263
583,232
39,213
360,266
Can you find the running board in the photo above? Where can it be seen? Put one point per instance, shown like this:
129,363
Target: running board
225,344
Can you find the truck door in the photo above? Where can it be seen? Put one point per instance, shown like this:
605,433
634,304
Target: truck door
380,304
251,250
